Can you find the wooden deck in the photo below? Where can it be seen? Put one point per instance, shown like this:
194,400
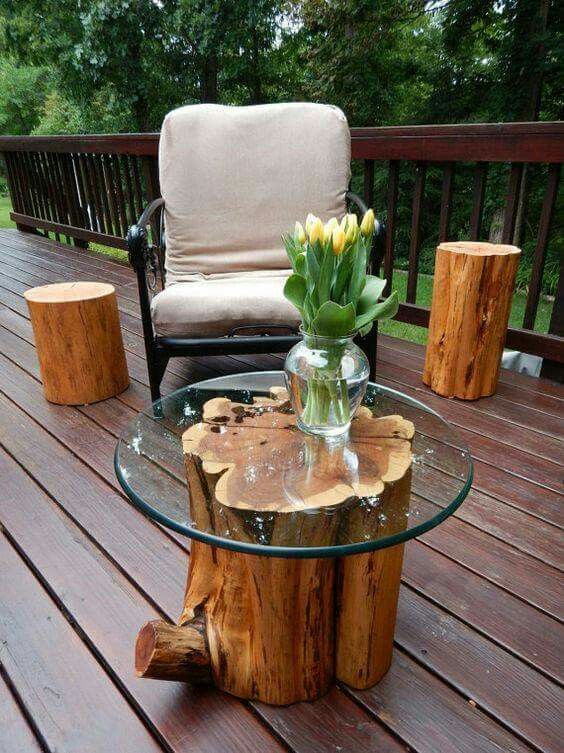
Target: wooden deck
478,661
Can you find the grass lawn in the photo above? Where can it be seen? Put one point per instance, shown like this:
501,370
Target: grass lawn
5,209
396,329
424,294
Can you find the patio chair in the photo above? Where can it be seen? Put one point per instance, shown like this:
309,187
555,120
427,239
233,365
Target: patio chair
208,254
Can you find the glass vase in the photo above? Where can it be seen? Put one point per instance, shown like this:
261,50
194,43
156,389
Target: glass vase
326,378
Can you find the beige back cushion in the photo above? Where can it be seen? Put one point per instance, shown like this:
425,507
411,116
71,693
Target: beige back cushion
235,178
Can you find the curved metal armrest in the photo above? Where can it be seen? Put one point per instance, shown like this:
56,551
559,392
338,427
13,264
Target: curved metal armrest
137,248
379,237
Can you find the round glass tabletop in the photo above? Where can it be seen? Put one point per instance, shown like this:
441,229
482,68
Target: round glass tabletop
278,492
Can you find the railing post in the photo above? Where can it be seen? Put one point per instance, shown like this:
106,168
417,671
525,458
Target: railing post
553,369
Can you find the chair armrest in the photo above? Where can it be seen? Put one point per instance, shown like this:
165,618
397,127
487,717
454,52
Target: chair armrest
378,239
137,247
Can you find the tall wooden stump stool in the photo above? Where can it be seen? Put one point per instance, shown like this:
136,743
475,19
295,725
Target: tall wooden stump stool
78,341
469,315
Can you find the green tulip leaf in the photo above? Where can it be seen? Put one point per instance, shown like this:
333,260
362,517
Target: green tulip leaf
333,320
342,276
383,310
295,290
358,275
325,276
371,294
300,264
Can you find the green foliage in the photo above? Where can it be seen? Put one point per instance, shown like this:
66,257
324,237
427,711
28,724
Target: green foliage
71,66
23,89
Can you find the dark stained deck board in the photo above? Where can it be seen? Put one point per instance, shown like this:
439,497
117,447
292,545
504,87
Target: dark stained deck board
15,731
482,589
514,622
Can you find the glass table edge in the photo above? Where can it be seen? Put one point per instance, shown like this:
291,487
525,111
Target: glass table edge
287,552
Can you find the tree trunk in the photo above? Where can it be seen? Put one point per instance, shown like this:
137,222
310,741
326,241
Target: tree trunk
280,629
208,78
472,293
78,340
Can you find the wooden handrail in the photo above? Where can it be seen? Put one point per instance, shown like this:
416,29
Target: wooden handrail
481,142
92,187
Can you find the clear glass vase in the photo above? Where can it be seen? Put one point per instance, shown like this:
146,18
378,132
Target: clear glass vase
326,378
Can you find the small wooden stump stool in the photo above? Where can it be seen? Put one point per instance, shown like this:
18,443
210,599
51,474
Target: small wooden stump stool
78,341
280,630
469,315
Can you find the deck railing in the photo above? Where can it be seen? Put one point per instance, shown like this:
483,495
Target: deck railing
91,188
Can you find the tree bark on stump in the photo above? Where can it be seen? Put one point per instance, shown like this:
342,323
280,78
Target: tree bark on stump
472,293
275,629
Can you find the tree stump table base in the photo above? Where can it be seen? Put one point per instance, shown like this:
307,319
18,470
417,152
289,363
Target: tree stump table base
279,629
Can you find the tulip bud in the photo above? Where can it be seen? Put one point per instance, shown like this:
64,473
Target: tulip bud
328,229
316,231
310,219
338,241
352,227
367,224
299,233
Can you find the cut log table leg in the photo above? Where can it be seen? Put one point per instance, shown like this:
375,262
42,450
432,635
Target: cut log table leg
280,630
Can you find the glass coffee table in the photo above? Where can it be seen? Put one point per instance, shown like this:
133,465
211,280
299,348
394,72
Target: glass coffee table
297,541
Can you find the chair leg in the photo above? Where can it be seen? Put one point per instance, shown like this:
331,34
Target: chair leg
157,366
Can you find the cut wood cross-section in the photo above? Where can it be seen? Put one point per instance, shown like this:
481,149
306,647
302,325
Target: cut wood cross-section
282,629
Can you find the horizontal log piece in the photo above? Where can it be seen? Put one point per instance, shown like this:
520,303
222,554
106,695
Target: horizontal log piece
173,652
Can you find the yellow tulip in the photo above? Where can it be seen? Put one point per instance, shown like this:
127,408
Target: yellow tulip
338,241
328,229
316,231
299,233
352,227
310,219
367,224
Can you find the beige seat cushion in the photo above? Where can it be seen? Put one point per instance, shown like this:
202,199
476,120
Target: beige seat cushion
235,178
213,306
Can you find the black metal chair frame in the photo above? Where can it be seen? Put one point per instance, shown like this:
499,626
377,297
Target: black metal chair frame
146,256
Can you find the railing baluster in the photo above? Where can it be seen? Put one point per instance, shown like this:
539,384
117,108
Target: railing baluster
446,201
32,209
122,211
44,181
539,258
478,195
110,195
126,170
393,184
90,207
36,180
73,199
369,182
418,193
512,202
99,194
137,183
54,190
81,186
14,185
